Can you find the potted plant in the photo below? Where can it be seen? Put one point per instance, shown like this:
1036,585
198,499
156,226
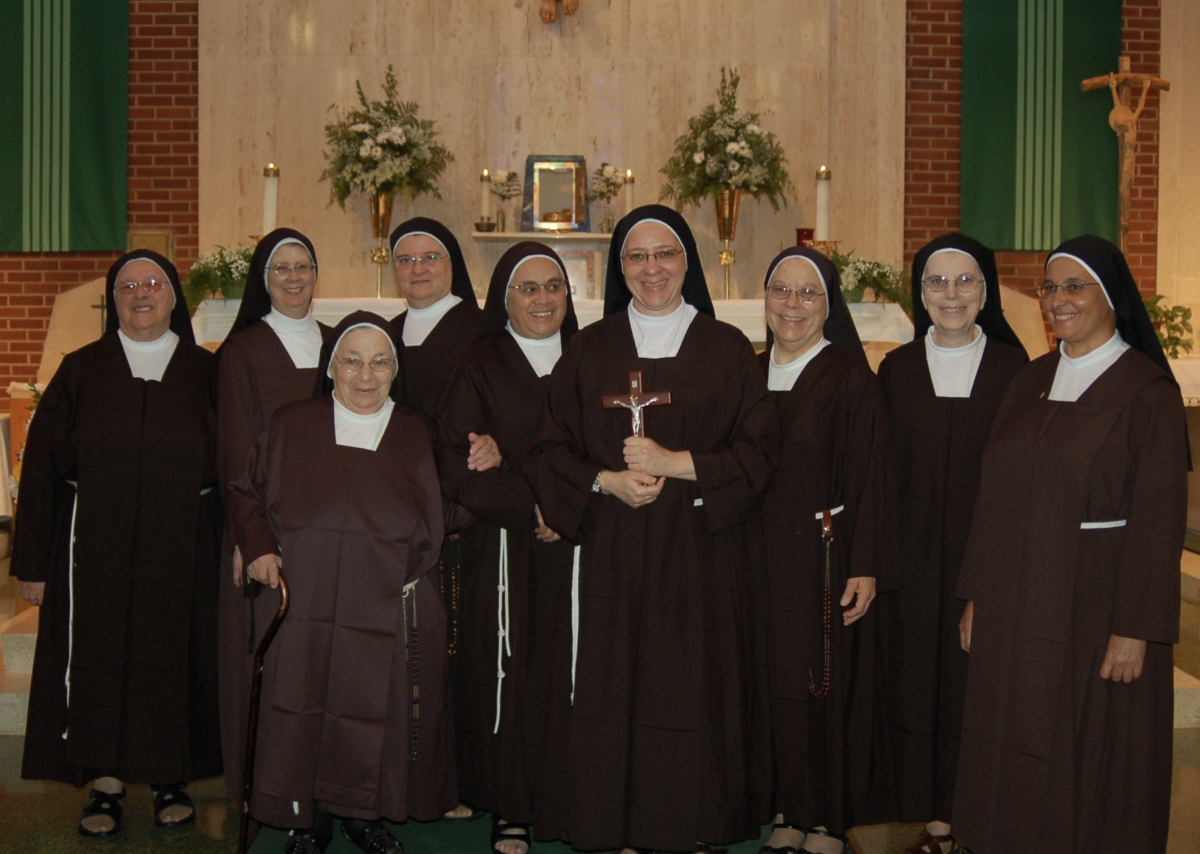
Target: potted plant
220,274
607,184
1173,325
887,282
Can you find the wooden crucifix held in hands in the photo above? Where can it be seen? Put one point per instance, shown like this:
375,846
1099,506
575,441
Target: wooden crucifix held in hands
637,400
1123,121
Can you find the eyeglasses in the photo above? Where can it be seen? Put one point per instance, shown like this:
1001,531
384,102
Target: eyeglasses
351,365
639,259
129,287
964,284
554,287
1070,288
428,259
303,269
806,295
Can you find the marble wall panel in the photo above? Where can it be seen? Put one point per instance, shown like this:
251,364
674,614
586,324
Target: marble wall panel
1179,156
617,82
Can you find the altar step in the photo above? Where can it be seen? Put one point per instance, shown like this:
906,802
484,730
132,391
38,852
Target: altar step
18,636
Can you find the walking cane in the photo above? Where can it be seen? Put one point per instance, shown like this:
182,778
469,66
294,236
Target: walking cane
252,730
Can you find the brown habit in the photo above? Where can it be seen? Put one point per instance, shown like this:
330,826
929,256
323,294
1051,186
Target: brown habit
518,772
937,445
1050,751
142,701
353,527
256,377
663,751
832,762
429,365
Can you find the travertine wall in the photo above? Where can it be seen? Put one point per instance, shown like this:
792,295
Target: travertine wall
1179,157
615,83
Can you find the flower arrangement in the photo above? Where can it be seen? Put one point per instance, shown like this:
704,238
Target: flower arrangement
506,184
217,274
888,282
382,147
607,184
726,150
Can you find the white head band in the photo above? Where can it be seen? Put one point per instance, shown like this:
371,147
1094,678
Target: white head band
521,264
664,225
170,285
943,251
1090,271
810,263
285,242
426,234
338,343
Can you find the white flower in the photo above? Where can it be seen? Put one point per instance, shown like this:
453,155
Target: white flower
753,128
361,127
609,171
734,166
698,157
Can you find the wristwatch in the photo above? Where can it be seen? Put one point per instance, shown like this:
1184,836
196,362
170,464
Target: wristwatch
596,482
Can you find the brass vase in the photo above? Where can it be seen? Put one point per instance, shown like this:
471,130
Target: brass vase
727,202
380,206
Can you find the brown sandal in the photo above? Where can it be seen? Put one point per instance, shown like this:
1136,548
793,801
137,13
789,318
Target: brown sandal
927,843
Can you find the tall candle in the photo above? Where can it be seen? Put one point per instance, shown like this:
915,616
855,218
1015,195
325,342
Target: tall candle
823,176
270,197
485,189
628,190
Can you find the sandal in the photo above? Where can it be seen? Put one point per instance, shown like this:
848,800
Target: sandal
103,803
927,843
474,814
509,831
172,795
845,840
784,849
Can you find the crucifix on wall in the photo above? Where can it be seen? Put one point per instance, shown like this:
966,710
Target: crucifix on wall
1123,120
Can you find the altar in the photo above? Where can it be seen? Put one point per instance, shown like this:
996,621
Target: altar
875,321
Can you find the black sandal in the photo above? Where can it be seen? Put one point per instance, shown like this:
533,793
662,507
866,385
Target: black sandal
103,803
172,795
306,843
845,840
784,849
510,831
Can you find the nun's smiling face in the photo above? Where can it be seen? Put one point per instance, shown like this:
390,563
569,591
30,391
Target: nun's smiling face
291,278
655,281
422,278
363,370
538,313
144,314
952,311
1082,321
797,325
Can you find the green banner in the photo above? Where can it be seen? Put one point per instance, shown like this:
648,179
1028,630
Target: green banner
1039,162
64,118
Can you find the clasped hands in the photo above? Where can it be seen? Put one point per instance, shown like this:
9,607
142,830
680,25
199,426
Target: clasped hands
485,454
1123,659
649,466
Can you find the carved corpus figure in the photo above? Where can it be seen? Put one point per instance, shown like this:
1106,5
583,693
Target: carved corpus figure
549,9
1123,121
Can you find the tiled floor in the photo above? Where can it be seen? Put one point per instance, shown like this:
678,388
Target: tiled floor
40,818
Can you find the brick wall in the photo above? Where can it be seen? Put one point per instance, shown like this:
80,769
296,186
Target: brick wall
933,112
164,186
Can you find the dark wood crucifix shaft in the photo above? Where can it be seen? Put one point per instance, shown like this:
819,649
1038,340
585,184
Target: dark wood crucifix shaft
637,400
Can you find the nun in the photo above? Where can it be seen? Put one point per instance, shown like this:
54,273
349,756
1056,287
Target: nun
825,525
443,315
512,671
269,358
942,391
118,542
342,494
656,444
1071,577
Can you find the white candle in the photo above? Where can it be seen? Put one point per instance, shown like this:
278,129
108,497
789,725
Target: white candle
485,189
628,190
270,197
823,176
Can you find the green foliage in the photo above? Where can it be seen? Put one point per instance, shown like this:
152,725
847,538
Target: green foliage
382,147
1173,324
888,282
220,274
726,150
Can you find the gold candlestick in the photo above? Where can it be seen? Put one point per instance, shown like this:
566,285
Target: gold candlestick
381,222
727,202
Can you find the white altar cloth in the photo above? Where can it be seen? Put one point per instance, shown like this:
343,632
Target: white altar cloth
875,321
